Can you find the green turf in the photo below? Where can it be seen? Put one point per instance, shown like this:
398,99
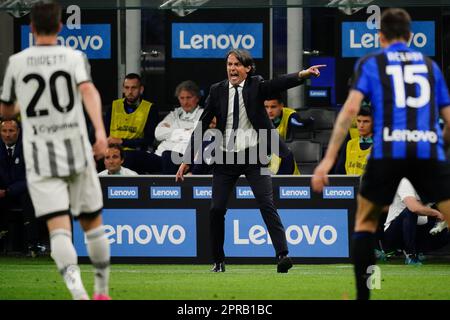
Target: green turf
26,278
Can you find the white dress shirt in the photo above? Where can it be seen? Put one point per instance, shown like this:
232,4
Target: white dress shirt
246,135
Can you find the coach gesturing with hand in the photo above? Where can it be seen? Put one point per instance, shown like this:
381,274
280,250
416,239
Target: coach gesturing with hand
238,105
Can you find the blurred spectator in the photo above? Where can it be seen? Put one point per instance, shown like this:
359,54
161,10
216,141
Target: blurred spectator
113,162
353,158
16,209
131,123
284,119
413,226
175,130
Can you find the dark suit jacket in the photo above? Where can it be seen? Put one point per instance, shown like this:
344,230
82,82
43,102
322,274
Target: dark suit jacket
12,173
255,91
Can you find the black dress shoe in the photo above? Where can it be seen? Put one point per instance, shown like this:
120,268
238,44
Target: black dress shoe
284,264
218,267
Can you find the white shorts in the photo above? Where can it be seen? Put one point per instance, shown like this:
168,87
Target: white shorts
53,196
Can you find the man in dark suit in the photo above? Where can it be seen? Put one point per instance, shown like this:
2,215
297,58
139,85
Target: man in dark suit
13,187
238,105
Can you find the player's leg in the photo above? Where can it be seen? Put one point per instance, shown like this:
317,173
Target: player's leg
64,254
98,249
378,186
364,243
86,203
51,202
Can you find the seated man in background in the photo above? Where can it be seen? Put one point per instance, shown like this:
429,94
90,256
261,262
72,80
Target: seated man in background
412,226
175,130
353,158
14,193
113,162
283,119
131,123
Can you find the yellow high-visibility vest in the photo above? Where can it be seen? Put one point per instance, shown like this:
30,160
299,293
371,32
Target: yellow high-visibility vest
356,158
129,125
275,161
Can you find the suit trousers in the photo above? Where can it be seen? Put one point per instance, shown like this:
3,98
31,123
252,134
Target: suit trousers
225,177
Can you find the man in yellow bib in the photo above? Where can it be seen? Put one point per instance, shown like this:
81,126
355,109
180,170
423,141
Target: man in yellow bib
353,160
283,119
131,123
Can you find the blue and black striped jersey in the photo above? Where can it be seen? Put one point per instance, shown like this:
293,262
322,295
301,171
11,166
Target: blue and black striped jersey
406,90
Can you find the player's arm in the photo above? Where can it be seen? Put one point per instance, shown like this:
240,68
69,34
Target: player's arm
8,105
93,106
445,113
420,209
343,122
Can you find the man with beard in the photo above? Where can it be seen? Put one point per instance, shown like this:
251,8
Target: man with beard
132,123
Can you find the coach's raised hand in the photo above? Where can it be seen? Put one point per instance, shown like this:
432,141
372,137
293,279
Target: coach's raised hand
311,71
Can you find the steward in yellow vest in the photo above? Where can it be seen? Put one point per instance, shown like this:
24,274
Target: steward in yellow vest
131,122
353,160
129,126
282,118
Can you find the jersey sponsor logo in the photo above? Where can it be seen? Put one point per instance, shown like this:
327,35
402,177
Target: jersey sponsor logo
295,193
202,192
123,192
53,129
309,233
165,192
358,40
92,39
146,232
244,193
214,40
338,193
405,135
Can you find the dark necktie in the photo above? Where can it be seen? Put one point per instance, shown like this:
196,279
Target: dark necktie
236,108
235,118
10,153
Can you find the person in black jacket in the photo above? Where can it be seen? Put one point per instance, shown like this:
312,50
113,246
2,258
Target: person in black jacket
238,105
13,189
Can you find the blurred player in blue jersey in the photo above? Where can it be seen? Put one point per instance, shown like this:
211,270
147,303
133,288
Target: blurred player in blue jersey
407,92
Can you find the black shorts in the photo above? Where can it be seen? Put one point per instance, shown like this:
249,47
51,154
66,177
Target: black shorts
430,178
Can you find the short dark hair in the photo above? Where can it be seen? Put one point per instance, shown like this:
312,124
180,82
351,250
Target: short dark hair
244,57
366,111
276,96
118,147
46,17
189,86
131,76
396,24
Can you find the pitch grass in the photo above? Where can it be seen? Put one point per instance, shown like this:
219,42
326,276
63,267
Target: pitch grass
29,279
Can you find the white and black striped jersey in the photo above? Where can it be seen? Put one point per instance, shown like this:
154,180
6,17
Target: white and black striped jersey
44,81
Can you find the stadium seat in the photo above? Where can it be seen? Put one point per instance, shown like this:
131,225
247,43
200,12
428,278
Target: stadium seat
301,133
307,154
323,137
323,117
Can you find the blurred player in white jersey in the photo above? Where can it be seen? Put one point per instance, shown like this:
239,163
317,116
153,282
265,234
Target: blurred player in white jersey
48,82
